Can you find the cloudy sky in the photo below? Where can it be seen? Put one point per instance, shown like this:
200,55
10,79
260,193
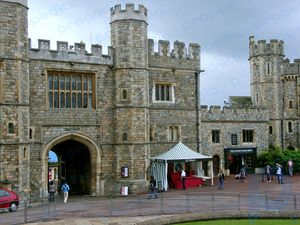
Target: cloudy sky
221,27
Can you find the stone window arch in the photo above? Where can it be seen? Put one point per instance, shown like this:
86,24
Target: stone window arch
124,94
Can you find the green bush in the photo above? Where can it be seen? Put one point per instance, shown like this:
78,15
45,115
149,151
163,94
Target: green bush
273,156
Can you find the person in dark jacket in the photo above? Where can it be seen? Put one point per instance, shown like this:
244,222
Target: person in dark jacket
221,178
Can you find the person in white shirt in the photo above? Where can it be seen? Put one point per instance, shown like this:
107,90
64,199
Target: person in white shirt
290,162
183,174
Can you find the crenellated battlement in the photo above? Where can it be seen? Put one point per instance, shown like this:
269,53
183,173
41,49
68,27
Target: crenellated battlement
290,67
225,113
66,52
262,47
179,50
179,57
117,13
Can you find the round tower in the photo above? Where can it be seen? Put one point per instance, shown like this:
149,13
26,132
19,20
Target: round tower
129,36
130,69
266,86
265,60
14,93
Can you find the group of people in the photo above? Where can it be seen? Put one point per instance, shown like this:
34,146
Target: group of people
65,188
153,190
279,170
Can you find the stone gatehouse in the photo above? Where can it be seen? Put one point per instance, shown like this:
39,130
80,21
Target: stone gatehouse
106,114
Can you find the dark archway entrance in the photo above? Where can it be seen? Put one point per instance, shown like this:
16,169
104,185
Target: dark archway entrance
74,166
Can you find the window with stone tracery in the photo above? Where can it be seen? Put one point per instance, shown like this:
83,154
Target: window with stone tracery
163,93
70,89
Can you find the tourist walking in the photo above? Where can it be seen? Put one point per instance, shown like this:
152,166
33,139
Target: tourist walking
290,164
152,188
65,189
221,178
268,173
52,191
183,175
279,173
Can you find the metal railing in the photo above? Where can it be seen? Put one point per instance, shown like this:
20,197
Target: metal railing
40,209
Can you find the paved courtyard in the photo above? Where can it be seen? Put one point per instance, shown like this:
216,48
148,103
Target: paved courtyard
251,199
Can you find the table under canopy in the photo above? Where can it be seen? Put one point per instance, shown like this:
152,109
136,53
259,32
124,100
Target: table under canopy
180,153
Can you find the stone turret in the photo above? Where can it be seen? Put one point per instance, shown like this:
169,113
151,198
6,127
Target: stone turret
14,94
262,48
265,68
129,36
273,81
117,13
130,67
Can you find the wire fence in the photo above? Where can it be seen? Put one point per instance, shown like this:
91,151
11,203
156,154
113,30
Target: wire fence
40,209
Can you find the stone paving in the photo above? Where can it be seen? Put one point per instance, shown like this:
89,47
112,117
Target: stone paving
252,185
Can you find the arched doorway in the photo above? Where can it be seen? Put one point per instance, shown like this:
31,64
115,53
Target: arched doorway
78,163
74,166
216,164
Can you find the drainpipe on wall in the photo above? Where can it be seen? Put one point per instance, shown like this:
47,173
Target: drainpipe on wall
197,92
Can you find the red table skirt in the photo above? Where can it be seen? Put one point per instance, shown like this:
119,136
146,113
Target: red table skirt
190,182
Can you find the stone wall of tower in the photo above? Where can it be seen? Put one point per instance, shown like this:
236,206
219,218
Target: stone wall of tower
290,110
266,86
129,42
265,60
274,85
14,94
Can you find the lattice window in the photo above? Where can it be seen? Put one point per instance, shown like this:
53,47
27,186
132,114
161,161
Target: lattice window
248,136
163,92
71,90
215,136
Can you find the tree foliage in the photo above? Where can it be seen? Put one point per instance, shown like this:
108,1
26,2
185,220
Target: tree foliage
273,156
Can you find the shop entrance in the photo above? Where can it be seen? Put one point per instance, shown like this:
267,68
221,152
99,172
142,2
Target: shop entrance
74,166
237,158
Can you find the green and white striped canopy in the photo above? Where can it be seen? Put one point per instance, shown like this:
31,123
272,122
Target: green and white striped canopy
181,152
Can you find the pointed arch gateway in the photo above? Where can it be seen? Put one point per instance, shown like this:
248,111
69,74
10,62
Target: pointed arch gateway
80,158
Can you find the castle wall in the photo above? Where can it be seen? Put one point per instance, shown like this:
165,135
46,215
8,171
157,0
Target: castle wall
233,121
132,99
49,123
181,112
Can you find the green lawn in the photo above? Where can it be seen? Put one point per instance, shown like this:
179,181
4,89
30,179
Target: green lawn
253,221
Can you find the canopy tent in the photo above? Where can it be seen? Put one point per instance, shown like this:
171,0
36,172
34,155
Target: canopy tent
180,152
